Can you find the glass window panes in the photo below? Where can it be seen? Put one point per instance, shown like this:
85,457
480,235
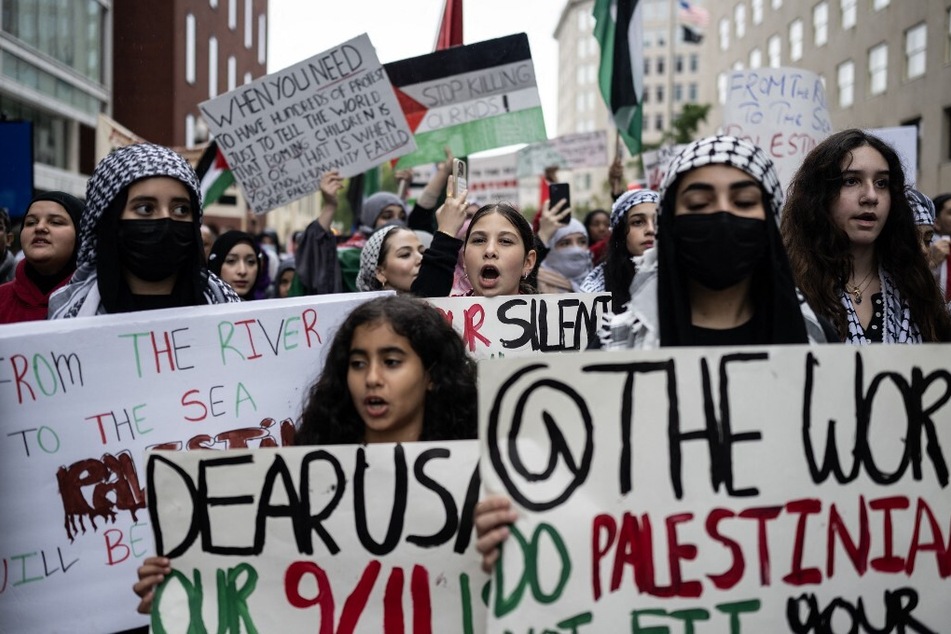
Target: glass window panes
724,27
878,69
845,74
774,48
916,40
795,40
757,11
848,13
739,17
820,23
756,58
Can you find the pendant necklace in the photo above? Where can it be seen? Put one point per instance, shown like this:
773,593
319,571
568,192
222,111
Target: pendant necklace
857,290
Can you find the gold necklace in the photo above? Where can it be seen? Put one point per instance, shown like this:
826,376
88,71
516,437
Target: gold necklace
857,290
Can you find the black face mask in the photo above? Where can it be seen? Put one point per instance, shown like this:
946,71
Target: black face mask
154,250
719,250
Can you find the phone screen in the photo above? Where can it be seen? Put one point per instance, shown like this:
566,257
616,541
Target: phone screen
556,193
460,179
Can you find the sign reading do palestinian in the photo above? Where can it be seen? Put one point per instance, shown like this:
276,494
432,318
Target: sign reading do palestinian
757,489
518,325
374,538
781,110
82,399
334,111
469,98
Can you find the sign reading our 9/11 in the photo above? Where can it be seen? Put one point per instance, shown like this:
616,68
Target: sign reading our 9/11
470,98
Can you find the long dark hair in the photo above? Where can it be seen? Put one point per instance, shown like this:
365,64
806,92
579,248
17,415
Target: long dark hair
619,269
819,250
525,233
329,417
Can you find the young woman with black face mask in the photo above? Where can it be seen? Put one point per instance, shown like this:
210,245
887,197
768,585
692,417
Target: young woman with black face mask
719,274
139,242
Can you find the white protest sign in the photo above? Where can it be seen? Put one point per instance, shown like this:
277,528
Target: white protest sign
80,399
709,490
571,151
336,110
904,140
375,538
518,325
656,163
781,110
493,178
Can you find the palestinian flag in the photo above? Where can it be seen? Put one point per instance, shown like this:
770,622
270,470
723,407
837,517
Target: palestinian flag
470,98
619,31
214,175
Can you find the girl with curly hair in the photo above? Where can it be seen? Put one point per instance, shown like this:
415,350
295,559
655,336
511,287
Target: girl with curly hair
395,372
853,246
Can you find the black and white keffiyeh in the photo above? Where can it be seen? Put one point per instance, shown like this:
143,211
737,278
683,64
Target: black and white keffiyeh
727,150
370,259
629,199
113,174
921,206
897,324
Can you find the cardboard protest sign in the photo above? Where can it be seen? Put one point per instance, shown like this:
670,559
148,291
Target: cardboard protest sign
493,178
656,163
334,111
571,151
757,489
375,538
81,399
518,325
470,98
781,110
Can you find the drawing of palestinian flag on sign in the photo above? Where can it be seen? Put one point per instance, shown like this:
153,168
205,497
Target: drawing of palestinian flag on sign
471,98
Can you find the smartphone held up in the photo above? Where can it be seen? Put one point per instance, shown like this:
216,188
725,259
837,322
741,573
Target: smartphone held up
556,193
458,178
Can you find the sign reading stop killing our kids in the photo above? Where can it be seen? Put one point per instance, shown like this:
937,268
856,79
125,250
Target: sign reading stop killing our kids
710,490
347,538
81,400
781,110
518,325
334,111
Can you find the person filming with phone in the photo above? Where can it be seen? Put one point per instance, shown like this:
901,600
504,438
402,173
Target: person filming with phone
563,252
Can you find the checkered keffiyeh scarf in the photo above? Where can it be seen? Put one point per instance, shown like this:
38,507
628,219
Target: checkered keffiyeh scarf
628,199
921,206
113,174
370,259
898,326
727,150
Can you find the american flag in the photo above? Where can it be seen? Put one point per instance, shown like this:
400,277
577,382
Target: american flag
692,14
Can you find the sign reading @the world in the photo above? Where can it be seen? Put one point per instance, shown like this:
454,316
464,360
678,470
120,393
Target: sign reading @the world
334,111
710,490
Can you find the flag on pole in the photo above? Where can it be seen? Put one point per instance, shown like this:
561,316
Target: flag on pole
693,14
619,31
214,175
450,26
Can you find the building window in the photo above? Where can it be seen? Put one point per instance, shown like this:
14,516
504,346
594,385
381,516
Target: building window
757,10
232,14
694,62
774,50
190,48
756,58
189,130
248,23
660,94
724,34
846,78
661,65
916,40
262,39
579,102
661,38
777,4
646,97
212,66
679,64
692,93
877,69
739,17
880,4
659,122
647,66
678,93
248,78
848,14
213,4
721,88
232,72
795,40
820,23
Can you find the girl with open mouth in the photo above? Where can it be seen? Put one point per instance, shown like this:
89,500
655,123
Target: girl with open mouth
498,254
